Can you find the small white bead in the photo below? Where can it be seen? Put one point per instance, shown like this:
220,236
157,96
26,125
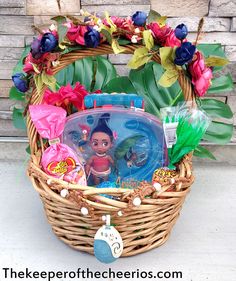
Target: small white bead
137,201
99,21
172,181
52,27
137,30
134,39
104,218
120,214
96,27
84,132
84,211
64,193
157,186
49,182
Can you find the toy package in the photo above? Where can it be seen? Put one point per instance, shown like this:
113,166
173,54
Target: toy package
58,159
116,139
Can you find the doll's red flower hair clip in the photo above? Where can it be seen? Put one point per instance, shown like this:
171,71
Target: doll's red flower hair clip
115,135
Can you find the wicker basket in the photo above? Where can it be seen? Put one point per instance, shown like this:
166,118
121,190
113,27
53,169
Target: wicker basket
142,228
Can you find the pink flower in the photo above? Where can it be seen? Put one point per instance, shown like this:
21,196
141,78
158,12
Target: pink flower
43,63
116,20
172,40
66,95
201,74
159,33
76,33
80,92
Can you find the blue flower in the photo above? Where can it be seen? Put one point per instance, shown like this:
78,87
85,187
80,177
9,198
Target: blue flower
92,38
181,31
184,53
139,18
35,48
48,42
20,81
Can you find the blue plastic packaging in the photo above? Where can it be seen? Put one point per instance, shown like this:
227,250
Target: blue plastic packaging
138,147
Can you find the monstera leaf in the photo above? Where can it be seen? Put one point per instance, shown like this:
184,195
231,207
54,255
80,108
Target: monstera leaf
212,50
144,82
92,72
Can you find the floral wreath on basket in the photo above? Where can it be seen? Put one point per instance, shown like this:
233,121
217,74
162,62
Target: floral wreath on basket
151,33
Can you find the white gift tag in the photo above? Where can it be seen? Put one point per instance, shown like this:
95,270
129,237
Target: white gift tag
170,133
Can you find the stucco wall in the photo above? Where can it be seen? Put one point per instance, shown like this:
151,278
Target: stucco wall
17,17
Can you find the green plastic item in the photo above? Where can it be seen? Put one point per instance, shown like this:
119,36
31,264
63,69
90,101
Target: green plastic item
192,125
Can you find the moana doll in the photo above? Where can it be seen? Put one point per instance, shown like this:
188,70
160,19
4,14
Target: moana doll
101,141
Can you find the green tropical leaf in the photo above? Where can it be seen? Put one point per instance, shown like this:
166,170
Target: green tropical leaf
140,57
153,16
124,42
92,72
120,85
84,72
219,132
28,150
202,152
148,39
162,20
216,109
61,28
18,119
216,61
14,94
145,81
167,57
71,49
38,82
116,47
49,80
107,34
221,84
169,77
212,50
20,63
105,71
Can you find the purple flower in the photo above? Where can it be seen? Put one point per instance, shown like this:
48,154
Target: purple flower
48,42
184,53
92,38
139,18
181,31
21,82
35,48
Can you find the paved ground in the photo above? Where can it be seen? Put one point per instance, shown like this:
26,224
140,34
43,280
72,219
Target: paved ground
202,244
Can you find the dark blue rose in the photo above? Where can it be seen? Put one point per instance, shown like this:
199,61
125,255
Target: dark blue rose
21,82
181,31
184,53
139,18
48,42
91,38
36,48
